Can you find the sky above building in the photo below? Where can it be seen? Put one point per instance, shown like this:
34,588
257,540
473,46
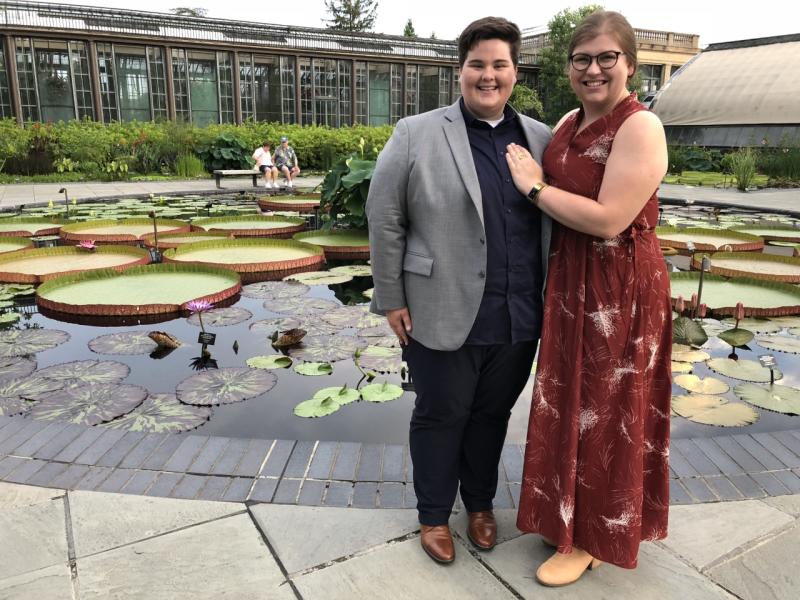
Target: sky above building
714,20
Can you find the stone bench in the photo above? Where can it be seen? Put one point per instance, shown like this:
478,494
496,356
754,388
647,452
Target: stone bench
220,173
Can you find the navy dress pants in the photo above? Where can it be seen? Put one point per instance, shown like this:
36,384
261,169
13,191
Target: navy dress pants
458,427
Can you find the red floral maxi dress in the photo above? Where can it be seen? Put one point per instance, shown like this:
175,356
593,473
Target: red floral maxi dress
596,462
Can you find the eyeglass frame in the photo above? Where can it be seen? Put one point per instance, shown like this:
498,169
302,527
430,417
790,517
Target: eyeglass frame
595,58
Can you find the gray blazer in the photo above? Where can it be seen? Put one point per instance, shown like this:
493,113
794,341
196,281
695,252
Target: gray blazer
426,231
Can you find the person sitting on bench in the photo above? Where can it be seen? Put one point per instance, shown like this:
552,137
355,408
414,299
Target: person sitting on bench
264,164
286,161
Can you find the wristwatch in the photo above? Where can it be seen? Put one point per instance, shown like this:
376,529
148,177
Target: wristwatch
537,188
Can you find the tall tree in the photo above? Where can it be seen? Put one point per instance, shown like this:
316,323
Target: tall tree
556,92
188,11
409,30
351,15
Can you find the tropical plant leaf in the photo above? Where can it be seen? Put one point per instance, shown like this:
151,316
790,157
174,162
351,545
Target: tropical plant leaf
314,369
124,343
221,317
779,343
381,392
756,325
688,332
299,307
272,361
272,290
317,407
683,353
777,398
340,394
714,410
744,370
9,317
709,385
225,386
318,278
682,367
162,413
16,367
736,337
86,372
90,404
326,348
29,341
383,360
17,289
352,270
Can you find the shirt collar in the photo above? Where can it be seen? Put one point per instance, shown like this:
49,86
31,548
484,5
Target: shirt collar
471,120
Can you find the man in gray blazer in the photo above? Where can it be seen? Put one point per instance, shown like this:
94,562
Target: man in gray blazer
459,260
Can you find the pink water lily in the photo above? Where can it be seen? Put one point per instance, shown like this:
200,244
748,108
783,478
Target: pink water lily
87,245
680,305
199,306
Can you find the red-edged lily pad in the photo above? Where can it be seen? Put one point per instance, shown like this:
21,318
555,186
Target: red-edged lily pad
225,386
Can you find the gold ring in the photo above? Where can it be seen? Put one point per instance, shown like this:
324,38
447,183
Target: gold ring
520,156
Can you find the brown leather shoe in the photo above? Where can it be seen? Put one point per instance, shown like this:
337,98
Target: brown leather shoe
438,543
482,529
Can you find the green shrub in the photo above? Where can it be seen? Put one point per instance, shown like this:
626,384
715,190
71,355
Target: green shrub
189,166
779,163
676,157
226,151
702,159
743,165
345,188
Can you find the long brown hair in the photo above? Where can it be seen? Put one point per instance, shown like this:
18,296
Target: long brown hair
608,22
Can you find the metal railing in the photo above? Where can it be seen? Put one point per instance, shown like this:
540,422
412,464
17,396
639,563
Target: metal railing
644,36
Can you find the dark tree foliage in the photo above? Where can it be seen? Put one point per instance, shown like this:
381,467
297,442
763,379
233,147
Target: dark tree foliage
408,31
187,11
351,15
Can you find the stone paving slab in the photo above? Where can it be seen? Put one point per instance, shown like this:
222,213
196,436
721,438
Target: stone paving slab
104,521
33,537
12,495
401,571
304,537
51,582
224,558
788,504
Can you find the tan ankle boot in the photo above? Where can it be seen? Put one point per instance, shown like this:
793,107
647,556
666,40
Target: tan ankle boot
564,569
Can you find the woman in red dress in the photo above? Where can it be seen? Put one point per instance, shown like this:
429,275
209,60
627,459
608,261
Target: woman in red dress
595,480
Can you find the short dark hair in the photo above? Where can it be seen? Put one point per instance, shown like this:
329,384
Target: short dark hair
611,23
489,28
267,144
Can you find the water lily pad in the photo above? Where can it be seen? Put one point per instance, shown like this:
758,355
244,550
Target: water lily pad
353,316
318,278
353,270
713,327
340,394
381,392
16,367
387,341
383,360
760,298
9,317
736,337
275,289
744,370
709,385
90,404
779,343
222,317
777,398
317,407
270,326
11,407
326,348
682,367
300,306
714,410
689,332
314,369
757,325
225,386
86,372
272,361
162,413
17,395
124,343
30,341
682,353
12,290
785,322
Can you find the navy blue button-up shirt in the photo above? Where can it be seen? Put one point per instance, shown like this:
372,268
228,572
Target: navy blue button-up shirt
511,308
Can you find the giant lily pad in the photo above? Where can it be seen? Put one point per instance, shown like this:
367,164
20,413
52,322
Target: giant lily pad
300,306
300,204
30,341
124,343
771,267
17,395
148,290
760,298
381,392
254,259
318,278
777,398
270,290
162,413
708,239
12,244
29,226
41,264
757,325
314,369
353,270
714,410
221,317
271,361
709,385
324,348
770,233
173,240
11,407
252,225
16,367
86,372
744,370
225,386
682,367
681,353
90,404
347,244
109,231
353,316
383,360
779,343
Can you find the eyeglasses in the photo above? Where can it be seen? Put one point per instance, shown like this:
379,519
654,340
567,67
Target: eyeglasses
605,60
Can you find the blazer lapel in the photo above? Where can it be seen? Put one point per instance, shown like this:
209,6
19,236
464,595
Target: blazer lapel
456,133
